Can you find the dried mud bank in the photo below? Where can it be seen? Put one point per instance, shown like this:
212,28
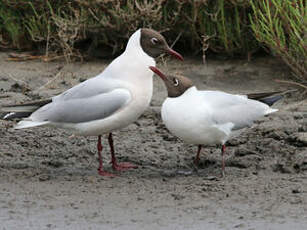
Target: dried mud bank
48,181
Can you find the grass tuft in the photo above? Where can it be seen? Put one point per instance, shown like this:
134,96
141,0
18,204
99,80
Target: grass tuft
281,26
77,28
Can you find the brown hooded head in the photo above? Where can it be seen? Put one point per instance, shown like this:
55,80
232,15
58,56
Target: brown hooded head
175,85
154,44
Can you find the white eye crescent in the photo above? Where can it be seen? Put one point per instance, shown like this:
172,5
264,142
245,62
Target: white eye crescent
154,41
176,82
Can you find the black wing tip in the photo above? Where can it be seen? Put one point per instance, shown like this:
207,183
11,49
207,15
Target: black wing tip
271,100
13,115
6,116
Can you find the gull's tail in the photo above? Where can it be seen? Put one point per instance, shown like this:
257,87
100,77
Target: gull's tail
22,110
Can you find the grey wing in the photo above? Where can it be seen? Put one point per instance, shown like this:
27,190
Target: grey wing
78,110
88,88
235,109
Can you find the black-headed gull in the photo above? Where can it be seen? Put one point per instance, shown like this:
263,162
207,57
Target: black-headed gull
208,117
110,101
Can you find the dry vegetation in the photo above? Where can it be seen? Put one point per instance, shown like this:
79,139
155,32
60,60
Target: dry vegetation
75,28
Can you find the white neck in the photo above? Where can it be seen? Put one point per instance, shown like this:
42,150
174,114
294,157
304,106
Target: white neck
133,63
134,47
134,41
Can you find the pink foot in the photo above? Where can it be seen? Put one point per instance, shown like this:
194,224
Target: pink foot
104,173
196,161
123,166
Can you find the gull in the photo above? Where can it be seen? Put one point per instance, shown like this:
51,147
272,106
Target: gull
100,105
204,117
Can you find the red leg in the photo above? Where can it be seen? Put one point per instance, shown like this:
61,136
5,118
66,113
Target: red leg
223,160
196,160
100,169
118,166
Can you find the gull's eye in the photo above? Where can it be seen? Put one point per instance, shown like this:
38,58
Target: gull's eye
154,41
175,81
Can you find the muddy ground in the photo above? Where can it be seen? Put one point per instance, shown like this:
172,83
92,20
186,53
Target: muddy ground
49,181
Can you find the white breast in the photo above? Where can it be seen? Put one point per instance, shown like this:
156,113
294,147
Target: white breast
141,89
188,118
131,69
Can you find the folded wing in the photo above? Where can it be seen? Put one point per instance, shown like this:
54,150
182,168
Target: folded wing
79,109
235,109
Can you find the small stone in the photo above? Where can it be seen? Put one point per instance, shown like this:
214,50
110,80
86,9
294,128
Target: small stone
295,191
20,166
243,152
211,178
239,225
236,141
177,196
44,177
239,164
184,172
279,167
278,135
56,164
8,154
302,138
302,129
168,174
297,115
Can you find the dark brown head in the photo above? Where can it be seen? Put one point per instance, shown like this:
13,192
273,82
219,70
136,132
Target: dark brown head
176,85
154,44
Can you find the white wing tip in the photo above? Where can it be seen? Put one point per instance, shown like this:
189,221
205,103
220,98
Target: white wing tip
28,124
8,115
270,110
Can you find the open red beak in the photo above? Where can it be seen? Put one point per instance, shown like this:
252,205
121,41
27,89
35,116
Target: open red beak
174,53
158,72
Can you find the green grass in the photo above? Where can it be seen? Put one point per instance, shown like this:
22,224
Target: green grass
281,25
225,27
111,22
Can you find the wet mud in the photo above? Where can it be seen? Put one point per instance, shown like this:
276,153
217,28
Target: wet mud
50,181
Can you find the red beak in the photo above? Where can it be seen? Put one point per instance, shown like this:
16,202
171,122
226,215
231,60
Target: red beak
174,53
158,72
